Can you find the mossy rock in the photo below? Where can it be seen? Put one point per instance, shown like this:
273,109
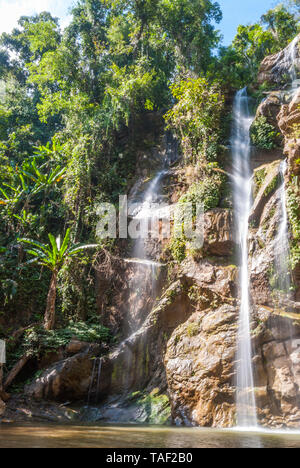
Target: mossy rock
153,408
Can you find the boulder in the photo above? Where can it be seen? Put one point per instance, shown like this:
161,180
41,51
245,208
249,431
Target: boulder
75,347
289,115
270,107
66,380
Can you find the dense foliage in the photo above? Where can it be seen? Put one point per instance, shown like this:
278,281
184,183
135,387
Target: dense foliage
239,63
73,110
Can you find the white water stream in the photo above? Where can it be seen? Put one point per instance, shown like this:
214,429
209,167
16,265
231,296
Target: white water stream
282,247
292,55
242,185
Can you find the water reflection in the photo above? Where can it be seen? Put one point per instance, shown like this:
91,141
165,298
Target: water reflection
53,436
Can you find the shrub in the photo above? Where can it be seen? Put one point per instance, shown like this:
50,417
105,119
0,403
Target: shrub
293,205
263,134
38,340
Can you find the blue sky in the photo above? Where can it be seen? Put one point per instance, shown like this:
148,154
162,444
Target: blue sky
235,12
11,10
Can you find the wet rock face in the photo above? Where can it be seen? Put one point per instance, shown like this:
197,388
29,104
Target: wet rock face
218,232
262,242
211,282
200,368
289,115
277,361
270,107
136,364
266,180
274,68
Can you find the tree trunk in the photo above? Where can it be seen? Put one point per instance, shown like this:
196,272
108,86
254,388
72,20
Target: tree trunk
16,370
49,320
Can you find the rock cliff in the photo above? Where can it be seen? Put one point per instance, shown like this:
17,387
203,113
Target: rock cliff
181,344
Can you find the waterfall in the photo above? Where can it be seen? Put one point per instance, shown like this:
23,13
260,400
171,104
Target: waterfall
242,188
282,247
292,58
145,212
94,372
146,270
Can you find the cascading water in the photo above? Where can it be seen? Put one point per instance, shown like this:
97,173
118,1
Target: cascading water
146,271
292,57
145,213
94,373
242,187
282,247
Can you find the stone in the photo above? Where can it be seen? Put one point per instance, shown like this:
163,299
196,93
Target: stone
200,367
66,380
275,68
75,346
268,186
270,107
289,115
214,282
218,232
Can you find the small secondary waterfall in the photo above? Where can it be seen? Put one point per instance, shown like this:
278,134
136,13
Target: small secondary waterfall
146,271
282,247
145,213
96,373
242,187
292,57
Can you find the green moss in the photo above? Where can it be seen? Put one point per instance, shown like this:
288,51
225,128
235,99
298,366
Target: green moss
206,193
259,178
293,206
154,408
272,185
192,329
177,248
38,340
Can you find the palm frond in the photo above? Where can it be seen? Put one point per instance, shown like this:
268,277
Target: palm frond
55,252
37,244
80,248
65,243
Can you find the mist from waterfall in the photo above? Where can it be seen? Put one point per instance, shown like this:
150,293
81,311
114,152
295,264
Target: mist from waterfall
242,189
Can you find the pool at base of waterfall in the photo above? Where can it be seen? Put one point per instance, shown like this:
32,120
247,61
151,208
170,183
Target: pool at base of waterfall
110,436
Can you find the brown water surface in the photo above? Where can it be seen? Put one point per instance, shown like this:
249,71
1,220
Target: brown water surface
86,436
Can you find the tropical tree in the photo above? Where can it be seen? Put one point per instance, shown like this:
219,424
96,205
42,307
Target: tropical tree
53,256
196,117
282,25
44,181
